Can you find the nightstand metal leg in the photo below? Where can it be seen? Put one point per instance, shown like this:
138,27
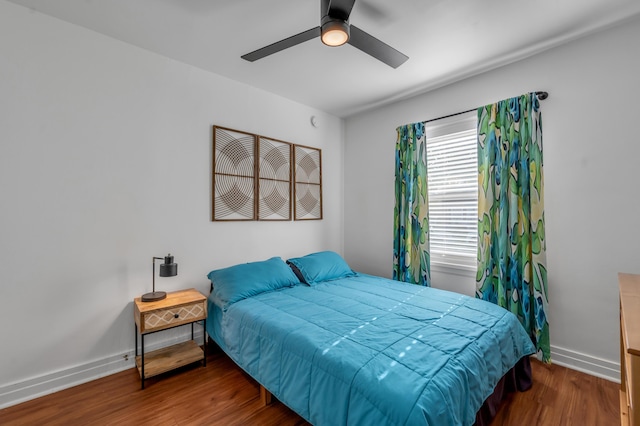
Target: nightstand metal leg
142,360
204,335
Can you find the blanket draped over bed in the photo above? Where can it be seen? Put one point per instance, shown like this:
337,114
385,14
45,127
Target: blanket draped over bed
371,351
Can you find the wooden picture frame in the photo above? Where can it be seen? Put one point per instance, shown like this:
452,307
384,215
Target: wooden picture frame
233,177
274,179
307,183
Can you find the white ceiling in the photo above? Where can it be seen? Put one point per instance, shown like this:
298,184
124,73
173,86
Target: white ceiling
446,40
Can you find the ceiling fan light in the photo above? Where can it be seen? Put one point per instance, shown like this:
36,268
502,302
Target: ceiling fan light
335,32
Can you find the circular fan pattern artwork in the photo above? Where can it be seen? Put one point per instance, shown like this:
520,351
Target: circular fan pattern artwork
308,201
275,180
234,169
274,200
234,196
254,178
308,183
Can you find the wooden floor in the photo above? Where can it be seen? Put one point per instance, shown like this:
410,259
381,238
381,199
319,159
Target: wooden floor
223,394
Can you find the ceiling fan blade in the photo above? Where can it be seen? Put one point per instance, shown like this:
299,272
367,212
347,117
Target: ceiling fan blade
374,47
339,8
282,44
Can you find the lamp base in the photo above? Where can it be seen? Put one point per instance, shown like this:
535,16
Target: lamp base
153,296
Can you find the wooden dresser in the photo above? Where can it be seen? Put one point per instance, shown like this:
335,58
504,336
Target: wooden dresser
629,349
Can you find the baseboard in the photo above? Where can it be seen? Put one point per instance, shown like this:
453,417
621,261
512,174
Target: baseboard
26,390
586,364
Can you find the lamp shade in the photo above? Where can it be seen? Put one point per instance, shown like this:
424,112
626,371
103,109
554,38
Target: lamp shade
168,268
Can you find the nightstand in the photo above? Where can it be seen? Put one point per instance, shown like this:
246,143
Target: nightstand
178,308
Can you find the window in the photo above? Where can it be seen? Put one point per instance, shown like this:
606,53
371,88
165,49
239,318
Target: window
452,172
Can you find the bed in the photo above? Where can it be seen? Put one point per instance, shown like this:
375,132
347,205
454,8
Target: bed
340,347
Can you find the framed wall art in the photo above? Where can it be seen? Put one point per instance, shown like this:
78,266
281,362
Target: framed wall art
260,178
274,179
307,183
234,171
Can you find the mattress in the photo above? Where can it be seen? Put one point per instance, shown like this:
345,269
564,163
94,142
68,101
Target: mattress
368,350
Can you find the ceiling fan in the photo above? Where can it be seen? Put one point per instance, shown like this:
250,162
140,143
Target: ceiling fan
335,30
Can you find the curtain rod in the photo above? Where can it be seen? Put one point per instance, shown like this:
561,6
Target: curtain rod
541,95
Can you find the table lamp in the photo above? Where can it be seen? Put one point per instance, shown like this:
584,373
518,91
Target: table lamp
167,269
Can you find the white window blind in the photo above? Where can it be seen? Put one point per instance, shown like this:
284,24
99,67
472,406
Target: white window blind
452,172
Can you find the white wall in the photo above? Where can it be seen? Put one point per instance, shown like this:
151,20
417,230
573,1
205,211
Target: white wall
592,183
105,162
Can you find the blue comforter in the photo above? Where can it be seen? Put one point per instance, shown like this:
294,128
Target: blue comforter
370,351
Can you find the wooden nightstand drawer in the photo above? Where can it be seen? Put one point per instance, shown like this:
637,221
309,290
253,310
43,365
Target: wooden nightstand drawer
178,308
167,318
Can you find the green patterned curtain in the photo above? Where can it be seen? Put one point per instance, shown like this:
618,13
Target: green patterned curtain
411,220
512,268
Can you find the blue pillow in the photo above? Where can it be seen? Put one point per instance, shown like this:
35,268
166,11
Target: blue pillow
238,282
322,266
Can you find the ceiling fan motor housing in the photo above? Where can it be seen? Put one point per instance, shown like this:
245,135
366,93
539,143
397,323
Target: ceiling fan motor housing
334,31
